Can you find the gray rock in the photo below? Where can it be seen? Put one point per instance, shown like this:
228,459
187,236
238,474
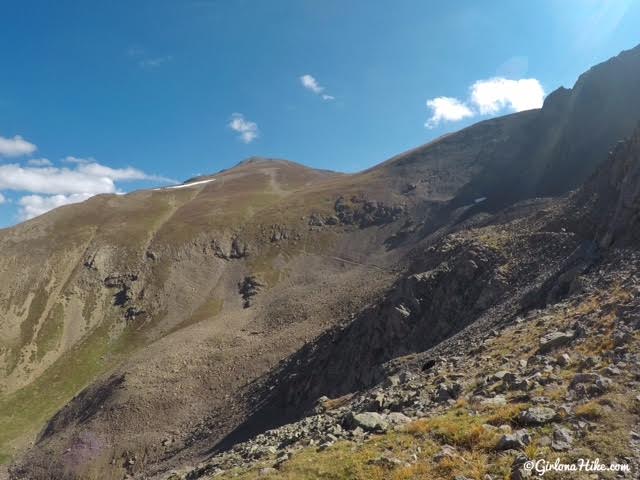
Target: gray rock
544,441
494,401
392,381
589,384
514,441
562,439
518,472
447,451
613,371
554,340
267,471
448,391
397,418
369,422
537,416
563,360
621,338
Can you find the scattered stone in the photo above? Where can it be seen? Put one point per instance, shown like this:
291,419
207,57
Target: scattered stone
447,391
563,360
554,340
267,471
613,371
537,416
397,418
544,441
589,384
392,381
368,421
621,338
447,451
515,441
518,472
562,439
498,400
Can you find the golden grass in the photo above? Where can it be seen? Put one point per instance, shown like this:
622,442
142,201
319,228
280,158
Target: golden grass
591,410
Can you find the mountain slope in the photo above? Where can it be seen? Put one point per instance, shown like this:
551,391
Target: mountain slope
512,341
197,316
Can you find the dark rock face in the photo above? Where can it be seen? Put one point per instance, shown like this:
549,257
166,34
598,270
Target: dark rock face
236,250
536,153
249,288
366,213
124,283
624,178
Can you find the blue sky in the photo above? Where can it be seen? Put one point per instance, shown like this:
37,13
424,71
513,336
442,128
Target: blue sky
102,96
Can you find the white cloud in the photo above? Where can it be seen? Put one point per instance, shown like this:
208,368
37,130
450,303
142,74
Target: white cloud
33,205
495,94
488,97
15,147
50,187
39,162
310,83
94,169
2,199
447,109
248,130
52,180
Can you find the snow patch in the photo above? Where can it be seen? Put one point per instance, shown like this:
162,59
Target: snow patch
185,185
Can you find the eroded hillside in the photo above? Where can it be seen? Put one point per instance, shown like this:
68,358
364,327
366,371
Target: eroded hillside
143,332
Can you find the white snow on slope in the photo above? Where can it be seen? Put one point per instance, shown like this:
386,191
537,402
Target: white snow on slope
186,185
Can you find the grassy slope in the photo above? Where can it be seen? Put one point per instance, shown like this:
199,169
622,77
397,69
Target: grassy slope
129,223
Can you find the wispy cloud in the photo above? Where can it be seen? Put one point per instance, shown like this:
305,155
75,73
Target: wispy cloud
145,60
311,84
39,162
155,62
15,147
487,97
248,130
2,199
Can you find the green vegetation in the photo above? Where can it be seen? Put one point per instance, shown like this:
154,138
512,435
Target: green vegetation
23,412
50,332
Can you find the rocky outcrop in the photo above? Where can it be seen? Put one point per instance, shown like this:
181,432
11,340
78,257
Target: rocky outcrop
237,248
624,178
366,213
249,288
128,295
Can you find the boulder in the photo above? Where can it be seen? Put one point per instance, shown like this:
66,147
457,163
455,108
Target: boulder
554,340
562,439
518,470
447,451
448,391
537,416
587,384
514,441
397,418
368,421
